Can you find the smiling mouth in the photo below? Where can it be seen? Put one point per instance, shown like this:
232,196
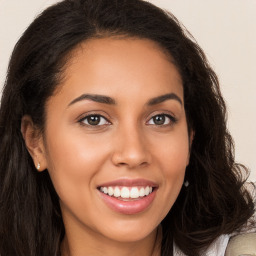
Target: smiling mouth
127,193
128,196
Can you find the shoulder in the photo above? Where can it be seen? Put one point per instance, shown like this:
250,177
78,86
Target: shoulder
244,244
217,248
250,225
244,241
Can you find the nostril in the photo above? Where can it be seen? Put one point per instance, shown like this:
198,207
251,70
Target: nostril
132,165
144,164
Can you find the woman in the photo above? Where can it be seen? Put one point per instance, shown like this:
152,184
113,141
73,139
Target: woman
113,138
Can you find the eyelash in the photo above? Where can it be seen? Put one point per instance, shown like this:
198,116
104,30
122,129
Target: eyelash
82,120
172,120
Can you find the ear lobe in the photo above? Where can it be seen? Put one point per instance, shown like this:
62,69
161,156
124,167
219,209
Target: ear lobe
34,142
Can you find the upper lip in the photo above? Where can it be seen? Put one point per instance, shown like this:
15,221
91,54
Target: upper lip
129,183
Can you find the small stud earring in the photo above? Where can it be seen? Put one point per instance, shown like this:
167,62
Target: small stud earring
186,184
38,166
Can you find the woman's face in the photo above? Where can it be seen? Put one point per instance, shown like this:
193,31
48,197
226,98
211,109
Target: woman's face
116,143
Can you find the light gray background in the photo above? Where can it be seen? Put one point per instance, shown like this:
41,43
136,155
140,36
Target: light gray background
225,29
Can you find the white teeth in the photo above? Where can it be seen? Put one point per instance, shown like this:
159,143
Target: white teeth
147,191
127,192
117,192
110,191
134,193
142,192
105,190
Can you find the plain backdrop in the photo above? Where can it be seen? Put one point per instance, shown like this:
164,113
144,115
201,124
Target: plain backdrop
225,29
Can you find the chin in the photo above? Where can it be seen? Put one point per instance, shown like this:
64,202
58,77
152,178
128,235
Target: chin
131,231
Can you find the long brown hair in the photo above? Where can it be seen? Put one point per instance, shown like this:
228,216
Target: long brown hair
215,202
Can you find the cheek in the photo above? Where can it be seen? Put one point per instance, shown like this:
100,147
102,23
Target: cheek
172,153
176,163
173,164
172,157
73,161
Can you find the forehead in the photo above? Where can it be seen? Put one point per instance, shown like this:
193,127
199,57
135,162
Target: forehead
120,65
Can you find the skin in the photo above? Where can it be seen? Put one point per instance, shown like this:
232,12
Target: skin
130,144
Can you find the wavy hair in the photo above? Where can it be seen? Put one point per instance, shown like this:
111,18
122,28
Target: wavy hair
215,203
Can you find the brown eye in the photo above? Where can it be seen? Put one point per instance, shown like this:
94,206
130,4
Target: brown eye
159,119
94,120
162,119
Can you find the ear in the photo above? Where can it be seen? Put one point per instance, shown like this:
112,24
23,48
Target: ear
191,138
34,142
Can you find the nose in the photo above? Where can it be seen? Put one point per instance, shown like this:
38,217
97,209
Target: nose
131,149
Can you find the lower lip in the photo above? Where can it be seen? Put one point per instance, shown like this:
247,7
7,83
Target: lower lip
129,207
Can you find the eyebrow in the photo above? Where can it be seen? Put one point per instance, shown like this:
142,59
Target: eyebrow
110,101
94,97
162,98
